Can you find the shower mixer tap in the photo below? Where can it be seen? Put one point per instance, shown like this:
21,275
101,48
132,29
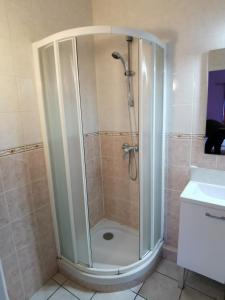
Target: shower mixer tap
128,148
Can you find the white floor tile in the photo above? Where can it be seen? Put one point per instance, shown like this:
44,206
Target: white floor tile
77,290
139,298
62,294
136,288
60,278
123,295
46,291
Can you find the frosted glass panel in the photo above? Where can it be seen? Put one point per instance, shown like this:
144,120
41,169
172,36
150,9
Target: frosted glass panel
55,145
146,138
158,141
75,144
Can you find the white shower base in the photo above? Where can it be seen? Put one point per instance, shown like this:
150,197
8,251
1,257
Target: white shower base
121,250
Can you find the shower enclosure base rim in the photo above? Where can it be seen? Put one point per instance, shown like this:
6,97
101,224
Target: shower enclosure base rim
112,280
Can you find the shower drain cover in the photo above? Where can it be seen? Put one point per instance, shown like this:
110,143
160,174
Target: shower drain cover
108,236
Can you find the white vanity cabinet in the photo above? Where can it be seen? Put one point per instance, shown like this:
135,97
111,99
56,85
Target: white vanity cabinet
202,240
201,245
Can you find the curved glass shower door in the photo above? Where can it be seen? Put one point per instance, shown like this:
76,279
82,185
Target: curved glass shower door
151,80
65,144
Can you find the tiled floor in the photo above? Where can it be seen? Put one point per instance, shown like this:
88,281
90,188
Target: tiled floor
161,285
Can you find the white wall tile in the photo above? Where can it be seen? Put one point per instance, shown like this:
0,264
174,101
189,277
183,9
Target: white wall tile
31,127
10,130
22,59
27,95
181,119
8,94
6,62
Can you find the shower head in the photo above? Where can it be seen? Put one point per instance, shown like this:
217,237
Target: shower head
117,55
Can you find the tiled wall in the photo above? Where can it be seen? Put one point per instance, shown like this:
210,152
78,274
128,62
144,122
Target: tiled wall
121,194
94,177
188,45
111,193
183,151
111,84
27,245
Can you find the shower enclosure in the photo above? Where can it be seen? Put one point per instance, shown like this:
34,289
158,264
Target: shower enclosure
101,97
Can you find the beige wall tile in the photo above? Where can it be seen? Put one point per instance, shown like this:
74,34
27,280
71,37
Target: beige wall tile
179,151
14,171
30,264
44,221
172,213
4,216
6,241
13,278
20,202
36,164
199,158
25,231
40,193
177,177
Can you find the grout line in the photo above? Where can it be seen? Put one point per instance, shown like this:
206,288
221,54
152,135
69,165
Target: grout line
138,289
138,295
166,276
197,290
70,292
92,297
181,291
60,284
54,292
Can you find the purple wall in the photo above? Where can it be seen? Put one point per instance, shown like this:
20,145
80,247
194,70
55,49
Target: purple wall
216,95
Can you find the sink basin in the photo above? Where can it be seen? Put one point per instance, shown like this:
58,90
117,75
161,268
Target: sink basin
205,193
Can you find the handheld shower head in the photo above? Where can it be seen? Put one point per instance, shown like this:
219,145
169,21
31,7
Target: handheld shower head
117,55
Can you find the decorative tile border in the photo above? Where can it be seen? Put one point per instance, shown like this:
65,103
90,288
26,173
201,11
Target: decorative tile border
91,134
186,136
111,133
30,147
20,149
117,133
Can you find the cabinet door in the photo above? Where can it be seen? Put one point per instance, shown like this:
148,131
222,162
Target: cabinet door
201,246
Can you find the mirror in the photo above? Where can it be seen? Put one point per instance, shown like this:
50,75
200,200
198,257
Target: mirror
215,119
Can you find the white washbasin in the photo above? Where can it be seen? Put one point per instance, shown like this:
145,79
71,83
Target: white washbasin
205,193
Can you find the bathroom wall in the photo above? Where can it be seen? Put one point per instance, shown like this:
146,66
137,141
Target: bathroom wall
27,245
121,194
106,128
111,83
114,128
191,28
